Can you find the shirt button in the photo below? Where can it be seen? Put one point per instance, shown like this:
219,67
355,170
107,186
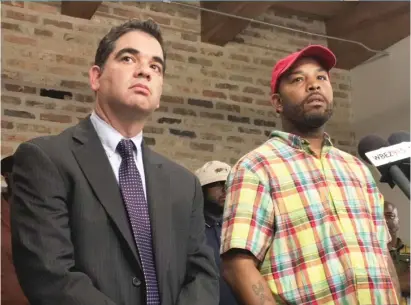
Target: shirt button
136,282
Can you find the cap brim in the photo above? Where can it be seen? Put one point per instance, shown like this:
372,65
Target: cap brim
324,56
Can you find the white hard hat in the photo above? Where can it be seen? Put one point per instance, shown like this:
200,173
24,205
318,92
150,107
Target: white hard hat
213,171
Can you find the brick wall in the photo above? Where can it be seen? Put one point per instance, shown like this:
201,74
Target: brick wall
216,99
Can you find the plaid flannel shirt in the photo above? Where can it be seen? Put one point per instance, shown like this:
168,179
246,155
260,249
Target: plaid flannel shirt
315,224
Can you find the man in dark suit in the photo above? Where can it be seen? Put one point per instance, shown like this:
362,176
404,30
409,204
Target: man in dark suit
99,218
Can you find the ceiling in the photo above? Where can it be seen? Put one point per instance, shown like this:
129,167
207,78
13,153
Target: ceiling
377,24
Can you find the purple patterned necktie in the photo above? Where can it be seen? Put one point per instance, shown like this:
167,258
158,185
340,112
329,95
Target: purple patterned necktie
133,194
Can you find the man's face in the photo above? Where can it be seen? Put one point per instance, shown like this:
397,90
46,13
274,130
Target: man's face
132,78
305,95
391,217
215,192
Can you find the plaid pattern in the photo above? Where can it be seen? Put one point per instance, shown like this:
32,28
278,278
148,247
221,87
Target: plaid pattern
315,224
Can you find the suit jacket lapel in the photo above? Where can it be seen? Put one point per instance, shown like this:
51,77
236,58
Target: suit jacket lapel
93,161
158,192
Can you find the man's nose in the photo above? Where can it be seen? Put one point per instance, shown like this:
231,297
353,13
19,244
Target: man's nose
143,70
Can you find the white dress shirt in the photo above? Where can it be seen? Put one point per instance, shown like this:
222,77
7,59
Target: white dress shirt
110,138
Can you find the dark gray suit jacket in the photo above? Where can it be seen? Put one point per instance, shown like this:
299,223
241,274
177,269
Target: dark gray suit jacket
72,242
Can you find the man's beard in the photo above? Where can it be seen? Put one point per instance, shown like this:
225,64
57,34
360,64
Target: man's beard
305,121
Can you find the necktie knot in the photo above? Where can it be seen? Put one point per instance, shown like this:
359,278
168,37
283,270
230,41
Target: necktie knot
125,148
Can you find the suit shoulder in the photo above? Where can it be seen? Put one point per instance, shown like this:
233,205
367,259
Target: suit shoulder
52,143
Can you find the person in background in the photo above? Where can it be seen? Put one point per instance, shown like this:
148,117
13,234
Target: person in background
399,251
97,216
303,220
212,176
11,293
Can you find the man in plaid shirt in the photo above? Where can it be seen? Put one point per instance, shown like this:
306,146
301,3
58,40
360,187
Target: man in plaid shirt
303,220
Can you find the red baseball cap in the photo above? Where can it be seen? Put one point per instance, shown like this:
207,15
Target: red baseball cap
324,56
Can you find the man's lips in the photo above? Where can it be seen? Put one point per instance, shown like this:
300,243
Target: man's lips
141,88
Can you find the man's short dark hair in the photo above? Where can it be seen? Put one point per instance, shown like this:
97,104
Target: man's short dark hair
108,43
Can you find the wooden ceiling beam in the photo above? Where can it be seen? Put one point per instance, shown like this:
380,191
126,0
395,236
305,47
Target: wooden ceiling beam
218,29
378,25
79,9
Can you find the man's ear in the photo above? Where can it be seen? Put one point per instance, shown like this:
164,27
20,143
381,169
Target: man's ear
277,102
94,77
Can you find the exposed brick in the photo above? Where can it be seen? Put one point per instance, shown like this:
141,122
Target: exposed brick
44,7
240,57
152,129
183,133
189,37
37,104
214,94
259,122
249,130
237,119
19,40
124,13
241,78
264,82
21,16
33,128
235,139
22,89
183,47
10,75
14,137
189,13
74,108
19,114
6,150
10,100
267,133
241,99
227,107
172,99
201,146
339,94
13,3
84,98
71,84
162,109
200,61
59,24
344,142
71,60
253,90
213,74
176,57
59,118
184,111
344,87
160,7
269,63
211,52
7,125
165,120
226,86
149,141
266,102
200,103
209,115
10,26
210,137
45,33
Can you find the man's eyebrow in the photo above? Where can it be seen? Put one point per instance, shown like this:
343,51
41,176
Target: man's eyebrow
126,50
135,52
301,72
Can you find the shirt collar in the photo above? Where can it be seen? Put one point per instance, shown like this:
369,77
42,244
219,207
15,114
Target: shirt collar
110,137
297,141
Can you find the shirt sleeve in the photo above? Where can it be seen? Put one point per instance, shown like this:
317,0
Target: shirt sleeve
248,221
